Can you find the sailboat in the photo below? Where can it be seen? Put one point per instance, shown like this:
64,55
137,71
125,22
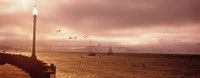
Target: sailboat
110,52
90,51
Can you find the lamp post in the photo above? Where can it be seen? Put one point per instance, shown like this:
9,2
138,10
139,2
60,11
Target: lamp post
35,13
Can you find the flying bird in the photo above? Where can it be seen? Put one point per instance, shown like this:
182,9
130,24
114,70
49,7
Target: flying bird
58,31
119,47
99,45
85,36
70,37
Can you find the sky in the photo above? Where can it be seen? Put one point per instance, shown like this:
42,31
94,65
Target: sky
141,24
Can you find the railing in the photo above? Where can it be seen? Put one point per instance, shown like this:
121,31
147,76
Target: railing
35,67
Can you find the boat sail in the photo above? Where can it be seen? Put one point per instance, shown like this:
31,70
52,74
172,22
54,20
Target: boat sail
90,51
110,52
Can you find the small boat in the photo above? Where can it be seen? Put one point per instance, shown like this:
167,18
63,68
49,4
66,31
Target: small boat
110,52
92,54
90,51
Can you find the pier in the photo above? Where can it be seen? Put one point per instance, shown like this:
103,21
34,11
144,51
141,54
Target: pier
35,67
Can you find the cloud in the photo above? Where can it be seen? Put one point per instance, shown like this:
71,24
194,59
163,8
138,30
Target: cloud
122,21
112,14
7,20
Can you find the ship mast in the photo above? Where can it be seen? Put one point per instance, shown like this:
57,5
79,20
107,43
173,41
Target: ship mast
90,48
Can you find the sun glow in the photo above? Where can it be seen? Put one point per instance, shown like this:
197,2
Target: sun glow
24,3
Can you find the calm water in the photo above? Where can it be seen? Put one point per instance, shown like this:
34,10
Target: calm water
79,65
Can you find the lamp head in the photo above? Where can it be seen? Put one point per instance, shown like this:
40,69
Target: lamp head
35,12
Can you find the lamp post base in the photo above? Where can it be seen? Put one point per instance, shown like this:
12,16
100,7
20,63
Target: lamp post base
33,56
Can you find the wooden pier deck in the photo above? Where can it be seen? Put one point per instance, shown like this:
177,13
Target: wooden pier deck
35,67
9,71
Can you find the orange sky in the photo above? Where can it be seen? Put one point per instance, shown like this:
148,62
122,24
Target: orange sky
123,23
